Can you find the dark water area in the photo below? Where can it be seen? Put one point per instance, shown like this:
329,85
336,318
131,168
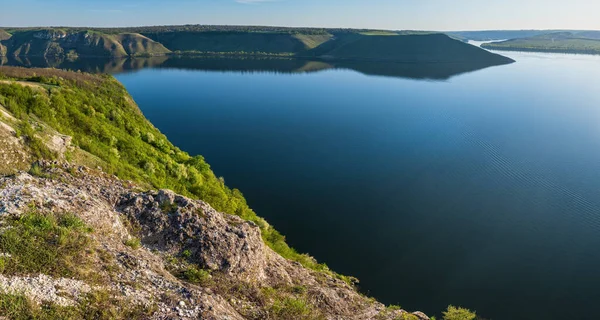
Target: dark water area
433,185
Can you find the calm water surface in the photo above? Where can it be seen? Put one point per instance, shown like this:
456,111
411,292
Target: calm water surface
480,190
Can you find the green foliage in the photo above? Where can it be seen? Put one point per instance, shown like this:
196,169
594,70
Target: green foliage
457,313
186,254
103,120
292,309
133,243
197,276
97,305
37,171
45,243
37,147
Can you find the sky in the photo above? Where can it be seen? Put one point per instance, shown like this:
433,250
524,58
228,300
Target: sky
439,15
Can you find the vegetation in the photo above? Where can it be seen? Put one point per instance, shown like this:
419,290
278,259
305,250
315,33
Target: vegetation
561,42
69,43
422,48
105,122
45,243
292,309
456,313
98,305
133,243
354,44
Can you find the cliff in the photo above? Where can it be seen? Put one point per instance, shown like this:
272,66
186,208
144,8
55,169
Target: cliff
412,48
78,242
340,44
64,42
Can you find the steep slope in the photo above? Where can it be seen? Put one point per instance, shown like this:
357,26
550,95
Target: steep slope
239,42
421,48
4,35
87,245
60,43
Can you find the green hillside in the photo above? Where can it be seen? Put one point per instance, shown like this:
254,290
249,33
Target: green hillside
419,48
239,42
107,125
342,44
560,42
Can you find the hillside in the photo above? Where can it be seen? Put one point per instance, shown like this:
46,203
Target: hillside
560,42
423,48
63,42
81,242
490,35
239,42
346,44
4,35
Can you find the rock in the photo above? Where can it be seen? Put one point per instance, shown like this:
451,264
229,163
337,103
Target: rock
229,247
421,315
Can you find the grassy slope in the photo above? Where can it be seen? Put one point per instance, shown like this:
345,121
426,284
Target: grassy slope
103,120
563,42
405,48
237,42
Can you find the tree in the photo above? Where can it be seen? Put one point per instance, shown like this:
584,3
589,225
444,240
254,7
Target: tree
457,313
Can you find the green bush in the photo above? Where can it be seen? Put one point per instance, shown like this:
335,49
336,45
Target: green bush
197,276
133,243
457,313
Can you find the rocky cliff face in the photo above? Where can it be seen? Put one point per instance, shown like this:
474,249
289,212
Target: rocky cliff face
175,257
60,43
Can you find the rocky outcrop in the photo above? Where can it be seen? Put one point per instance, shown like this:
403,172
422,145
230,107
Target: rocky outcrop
170,226
57,43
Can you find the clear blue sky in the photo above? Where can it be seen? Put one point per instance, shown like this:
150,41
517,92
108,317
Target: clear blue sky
384,14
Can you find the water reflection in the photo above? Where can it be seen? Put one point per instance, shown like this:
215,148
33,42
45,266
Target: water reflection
431,71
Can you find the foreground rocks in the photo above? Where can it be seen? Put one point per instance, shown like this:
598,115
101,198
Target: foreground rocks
242,277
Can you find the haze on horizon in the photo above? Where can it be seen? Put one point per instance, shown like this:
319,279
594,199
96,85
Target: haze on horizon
439,15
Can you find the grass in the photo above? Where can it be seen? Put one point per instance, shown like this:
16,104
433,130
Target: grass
196,276
56,245
98,305
133,243
37,147
292,309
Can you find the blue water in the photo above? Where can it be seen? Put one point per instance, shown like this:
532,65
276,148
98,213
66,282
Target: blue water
480,189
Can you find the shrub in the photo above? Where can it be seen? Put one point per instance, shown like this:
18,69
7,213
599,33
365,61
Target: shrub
197,276
457,313
133,243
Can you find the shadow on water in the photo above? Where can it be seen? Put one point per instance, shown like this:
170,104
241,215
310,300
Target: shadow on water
426,71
